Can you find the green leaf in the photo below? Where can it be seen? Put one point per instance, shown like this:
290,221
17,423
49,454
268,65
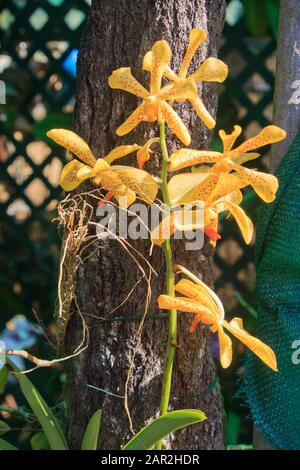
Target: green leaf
272,9
91,435
4,428
4,445
39,441
255,17
163,426
43,413
3,378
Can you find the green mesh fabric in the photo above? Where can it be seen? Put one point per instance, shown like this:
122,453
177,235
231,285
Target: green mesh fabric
274,397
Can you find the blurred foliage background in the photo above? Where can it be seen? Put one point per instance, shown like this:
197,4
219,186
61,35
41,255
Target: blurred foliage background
39,41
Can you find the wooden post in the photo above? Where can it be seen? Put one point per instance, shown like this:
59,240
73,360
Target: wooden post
287,85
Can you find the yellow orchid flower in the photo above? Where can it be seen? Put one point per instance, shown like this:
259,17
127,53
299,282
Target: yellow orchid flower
200,300
231,160
211,70
205,219
154,101
124,183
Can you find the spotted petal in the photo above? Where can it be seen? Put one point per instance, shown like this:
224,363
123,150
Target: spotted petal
245,224
211,70
68,178
166,302
120,152
264,184
183,91
246,157
74,143
229,139
132,121
168,72
175,123
197,36
202,112
139,181
264,352
196,292
205,188
161,56
268,135
181,187
122,79
227,183
183,158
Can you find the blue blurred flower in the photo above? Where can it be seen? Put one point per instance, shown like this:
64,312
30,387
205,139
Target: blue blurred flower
20,333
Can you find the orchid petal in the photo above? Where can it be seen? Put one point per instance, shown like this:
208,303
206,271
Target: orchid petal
202,112
74,143
139,181
211,70
175,123
168,72
264,184
166,302
203,191
225,348
196,292
132,121
122,79
183,185
161,56
186,90
120,152
246,157
244,222
227,183
101,165
197,36
267,135
264,352
183,158
229,139
68,178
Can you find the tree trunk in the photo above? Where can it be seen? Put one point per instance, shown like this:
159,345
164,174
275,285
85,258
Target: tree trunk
118,33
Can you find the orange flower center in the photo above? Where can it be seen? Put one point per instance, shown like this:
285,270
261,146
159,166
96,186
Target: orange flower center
224,165
150,109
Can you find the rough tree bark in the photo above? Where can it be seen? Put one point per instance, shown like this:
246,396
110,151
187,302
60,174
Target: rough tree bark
118,33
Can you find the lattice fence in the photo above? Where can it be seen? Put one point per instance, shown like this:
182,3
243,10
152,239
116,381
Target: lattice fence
38,43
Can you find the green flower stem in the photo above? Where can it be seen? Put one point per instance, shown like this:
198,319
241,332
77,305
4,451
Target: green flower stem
170,282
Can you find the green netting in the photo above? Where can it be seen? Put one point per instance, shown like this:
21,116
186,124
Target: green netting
274,397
